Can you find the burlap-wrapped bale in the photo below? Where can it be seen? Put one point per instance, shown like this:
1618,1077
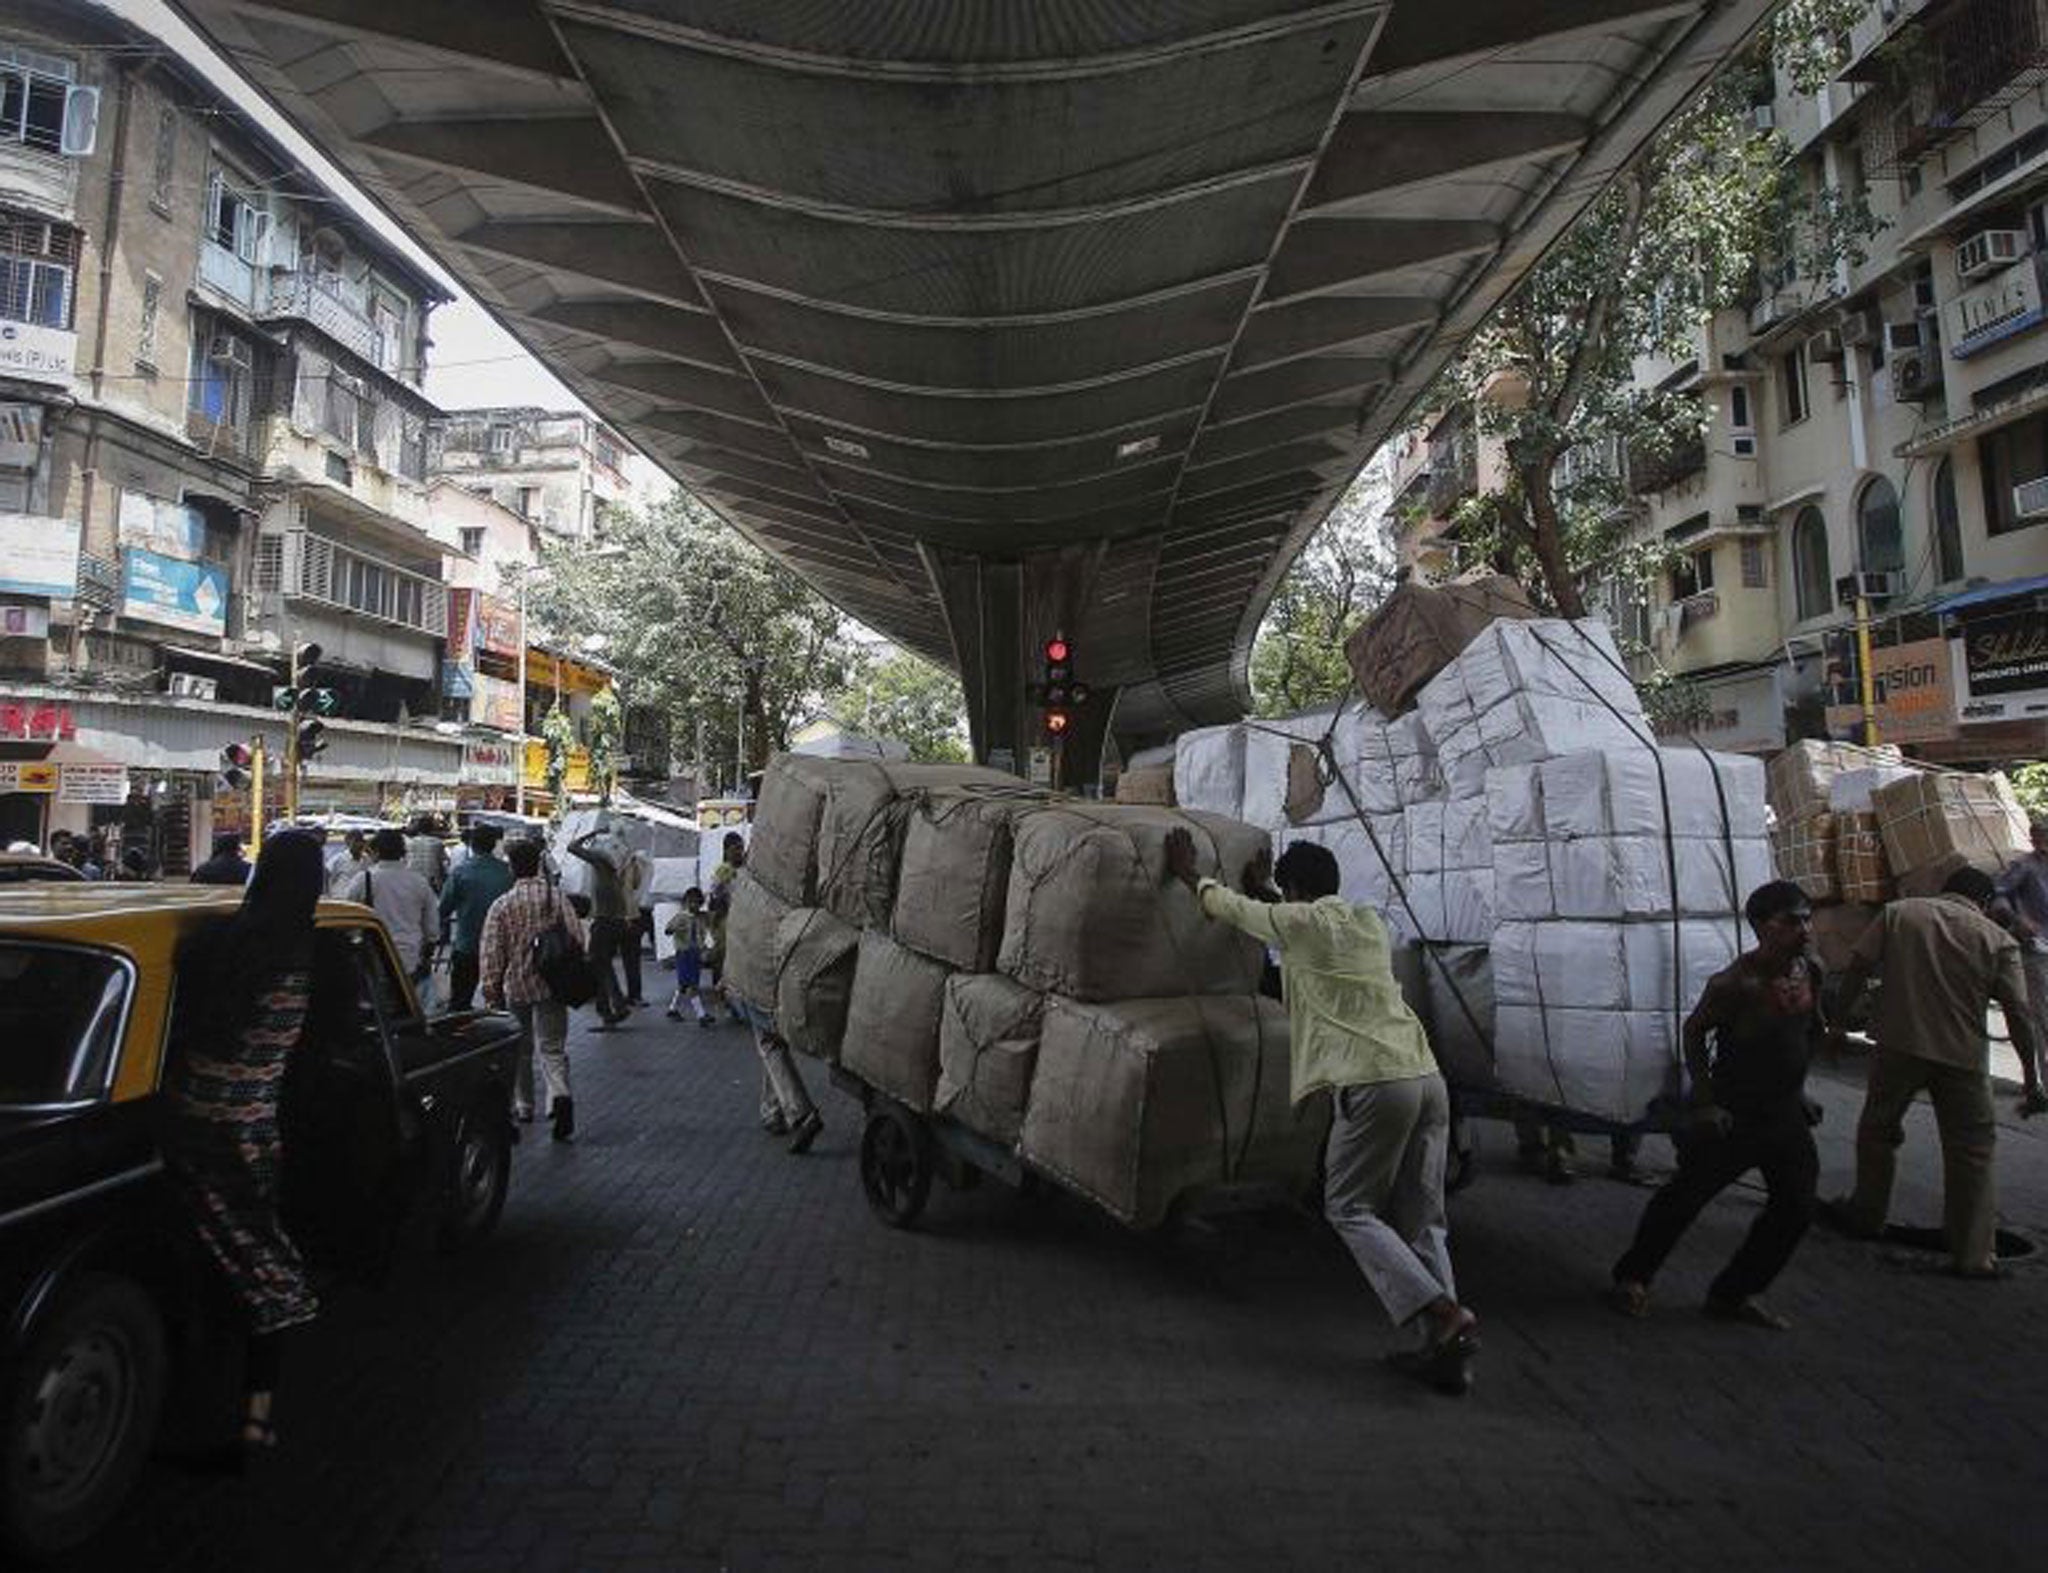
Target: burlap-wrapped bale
1418,630
1151,784
1136,1103
814,959
1457,993
988,1046
1090,915
955,877
892,1024
753,941
860,832
782,852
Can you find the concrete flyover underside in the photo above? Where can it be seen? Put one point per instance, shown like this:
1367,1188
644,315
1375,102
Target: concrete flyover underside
985,317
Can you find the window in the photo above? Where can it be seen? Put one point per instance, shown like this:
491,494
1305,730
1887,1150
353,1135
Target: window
387,322
344,406
1812,579
1948,525
473,540
1693,574
412,448
500,439
2008,458
61,1010
1880,542
1755,572
223,374
233,221
529,502
1792,387
41,105
166,167
38,268
145,333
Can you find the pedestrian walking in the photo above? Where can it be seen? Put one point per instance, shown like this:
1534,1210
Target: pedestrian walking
1350,1031
612,915
426,851
227,866
1747,1043
786,1108
244,987
466,900
1942,962
510,980
2024,885
403,899
717,906
345,860
687,930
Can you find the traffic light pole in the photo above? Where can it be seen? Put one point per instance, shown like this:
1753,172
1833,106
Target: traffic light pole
1867,683
256,761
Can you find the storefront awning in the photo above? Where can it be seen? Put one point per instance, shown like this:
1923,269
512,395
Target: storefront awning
1992,592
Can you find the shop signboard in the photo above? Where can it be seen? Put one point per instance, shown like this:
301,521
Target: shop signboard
2000,661
497,627
92,784
456,682
461,610
27,776
1914,690
24,622
38,556
496,704
36,721
169,529
488,762
188,595
35,353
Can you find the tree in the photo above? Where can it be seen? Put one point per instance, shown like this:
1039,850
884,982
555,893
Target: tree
1685,232
607,726
558,734
908,700
701,625
1344,571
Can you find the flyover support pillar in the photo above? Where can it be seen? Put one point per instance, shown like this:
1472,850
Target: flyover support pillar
1001,611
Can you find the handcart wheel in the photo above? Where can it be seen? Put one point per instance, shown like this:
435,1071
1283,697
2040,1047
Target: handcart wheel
895,1166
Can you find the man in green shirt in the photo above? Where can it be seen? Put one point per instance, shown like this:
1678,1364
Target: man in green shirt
1350,1030
465,902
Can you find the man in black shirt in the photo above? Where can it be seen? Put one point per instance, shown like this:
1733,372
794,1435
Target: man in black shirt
1749,1110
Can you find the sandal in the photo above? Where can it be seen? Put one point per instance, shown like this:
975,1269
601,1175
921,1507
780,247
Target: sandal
1630,1299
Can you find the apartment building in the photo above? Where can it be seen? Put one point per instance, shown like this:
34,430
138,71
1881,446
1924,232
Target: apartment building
212,448
1879,434
559,468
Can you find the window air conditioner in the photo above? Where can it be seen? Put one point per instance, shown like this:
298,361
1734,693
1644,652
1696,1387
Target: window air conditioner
189,685
1858,327
1744,444
1900,337
1989,250
224,349
1766,313
1912,376
1824,345
1873,586
2030,498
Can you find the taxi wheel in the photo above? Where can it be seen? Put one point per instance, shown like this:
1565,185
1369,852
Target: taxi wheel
481,1174
81,1411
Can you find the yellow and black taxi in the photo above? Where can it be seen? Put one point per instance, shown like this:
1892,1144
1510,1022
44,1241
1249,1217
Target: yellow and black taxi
111,1320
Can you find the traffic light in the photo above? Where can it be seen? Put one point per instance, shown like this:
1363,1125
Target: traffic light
310,737
235,760
284,698
1060,694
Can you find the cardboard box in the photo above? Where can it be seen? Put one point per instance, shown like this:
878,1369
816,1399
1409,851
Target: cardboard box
1802,776
1930,818
1862,871
1804,852
1420,629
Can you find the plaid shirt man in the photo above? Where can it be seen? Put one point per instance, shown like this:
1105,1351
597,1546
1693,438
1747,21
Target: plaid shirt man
506,970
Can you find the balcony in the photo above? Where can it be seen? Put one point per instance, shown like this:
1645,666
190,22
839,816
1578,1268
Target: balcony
317,299
1661,469
227,274
1453,472
1949,70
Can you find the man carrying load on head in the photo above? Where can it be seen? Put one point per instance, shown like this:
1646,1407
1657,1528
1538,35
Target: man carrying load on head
1349,1030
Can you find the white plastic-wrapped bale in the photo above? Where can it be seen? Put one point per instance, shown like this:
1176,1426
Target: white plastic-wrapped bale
1090,914
955,877
782,848
1586,1015
1526,691
860,830
1456,988
753,941
814,960
1385,765
1208,770
988,1045
1854,791
1450,870
1136,1103
1584,835
892,1023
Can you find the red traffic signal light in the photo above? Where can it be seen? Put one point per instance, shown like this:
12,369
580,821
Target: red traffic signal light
235,760
1056,722
1057,650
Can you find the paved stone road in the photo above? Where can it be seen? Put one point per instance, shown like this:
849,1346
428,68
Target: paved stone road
686,1349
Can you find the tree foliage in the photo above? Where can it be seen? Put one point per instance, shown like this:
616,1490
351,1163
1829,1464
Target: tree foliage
1712,206
701,625
607,726
1344,571
908,700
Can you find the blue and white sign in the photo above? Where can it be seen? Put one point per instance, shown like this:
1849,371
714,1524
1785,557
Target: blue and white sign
168,529
157,589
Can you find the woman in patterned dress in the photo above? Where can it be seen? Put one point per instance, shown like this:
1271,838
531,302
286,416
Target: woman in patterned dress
249,981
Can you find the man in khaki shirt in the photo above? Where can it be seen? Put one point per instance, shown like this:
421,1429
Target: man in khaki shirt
1350,1031
1942,962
